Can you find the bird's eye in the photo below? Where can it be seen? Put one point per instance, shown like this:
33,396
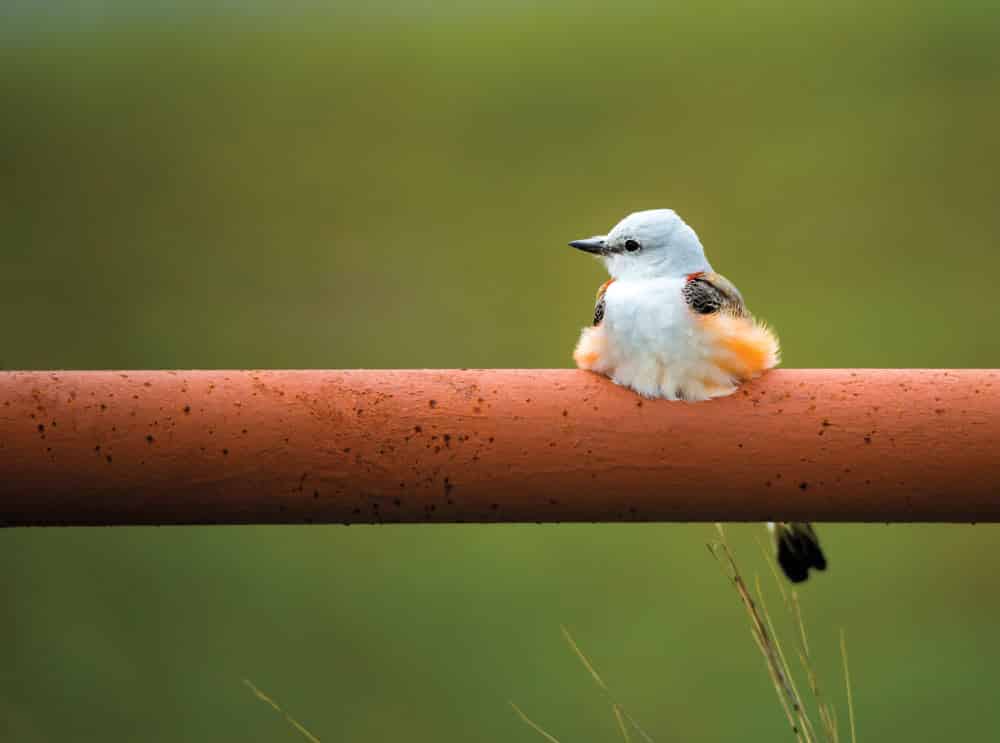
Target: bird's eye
632,245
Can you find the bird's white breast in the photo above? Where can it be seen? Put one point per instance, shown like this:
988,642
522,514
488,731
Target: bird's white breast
647,317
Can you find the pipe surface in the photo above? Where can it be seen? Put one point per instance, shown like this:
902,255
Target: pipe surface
255,447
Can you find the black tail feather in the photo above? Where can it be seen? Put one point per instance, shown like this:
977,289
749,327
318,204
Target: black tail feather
798,550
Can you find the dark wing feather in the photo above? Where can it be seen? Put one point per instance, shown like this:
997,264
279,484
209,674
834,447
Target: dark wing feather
599,310
709,293
599,307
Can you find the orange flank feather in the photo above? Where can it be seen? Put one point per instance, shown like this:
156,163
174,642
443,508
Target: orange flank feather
591,348
746,347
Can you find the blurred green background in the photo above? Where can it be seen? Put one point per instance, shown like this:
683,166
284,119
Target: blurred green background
393,185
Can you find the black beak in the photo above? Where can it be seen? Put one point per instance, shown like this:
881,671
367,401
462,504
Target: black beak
595,245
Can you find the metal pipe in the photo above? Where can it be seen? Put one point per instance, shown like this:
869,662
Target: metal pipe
256,447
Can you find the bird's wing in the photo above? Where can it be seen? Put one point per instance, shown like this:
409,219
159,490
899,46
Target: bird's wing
599,306
711,293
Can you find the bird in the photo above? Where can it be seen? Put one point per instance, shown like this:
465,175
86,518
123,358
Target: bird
666,325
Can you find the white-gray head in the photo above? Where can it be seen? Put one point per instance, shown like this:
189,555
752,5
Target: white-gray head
648,244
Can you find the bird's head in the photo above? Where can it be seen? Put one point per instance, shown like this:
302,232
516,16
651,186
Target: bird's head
649,244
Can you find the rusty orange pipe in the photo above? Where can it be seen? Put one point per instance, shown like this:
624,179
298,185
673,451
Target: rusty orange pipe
242,447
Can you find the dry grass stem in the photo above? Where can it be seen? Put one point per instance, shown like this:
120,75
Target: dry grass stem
619,711
790,598
769,643
291,720
622,717
802,716
776,666
533,725
847,681
621,724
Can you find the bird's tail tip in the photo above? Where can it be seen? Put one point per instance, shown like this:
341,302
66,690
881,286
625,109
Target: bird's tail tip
798,550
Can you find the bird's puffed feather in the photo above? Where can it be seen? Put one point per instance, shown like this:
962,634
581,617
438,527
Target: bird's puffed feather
687,338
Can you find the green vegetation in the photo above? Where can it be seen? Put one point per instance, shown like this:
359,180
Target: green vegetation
394,188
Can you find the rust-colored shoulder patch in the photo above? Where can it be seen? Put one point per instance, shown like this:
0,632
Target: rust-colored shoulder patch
603,288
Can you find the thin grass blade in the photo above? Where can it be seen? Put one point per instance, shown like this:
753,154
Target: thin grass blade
533,725
274,705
